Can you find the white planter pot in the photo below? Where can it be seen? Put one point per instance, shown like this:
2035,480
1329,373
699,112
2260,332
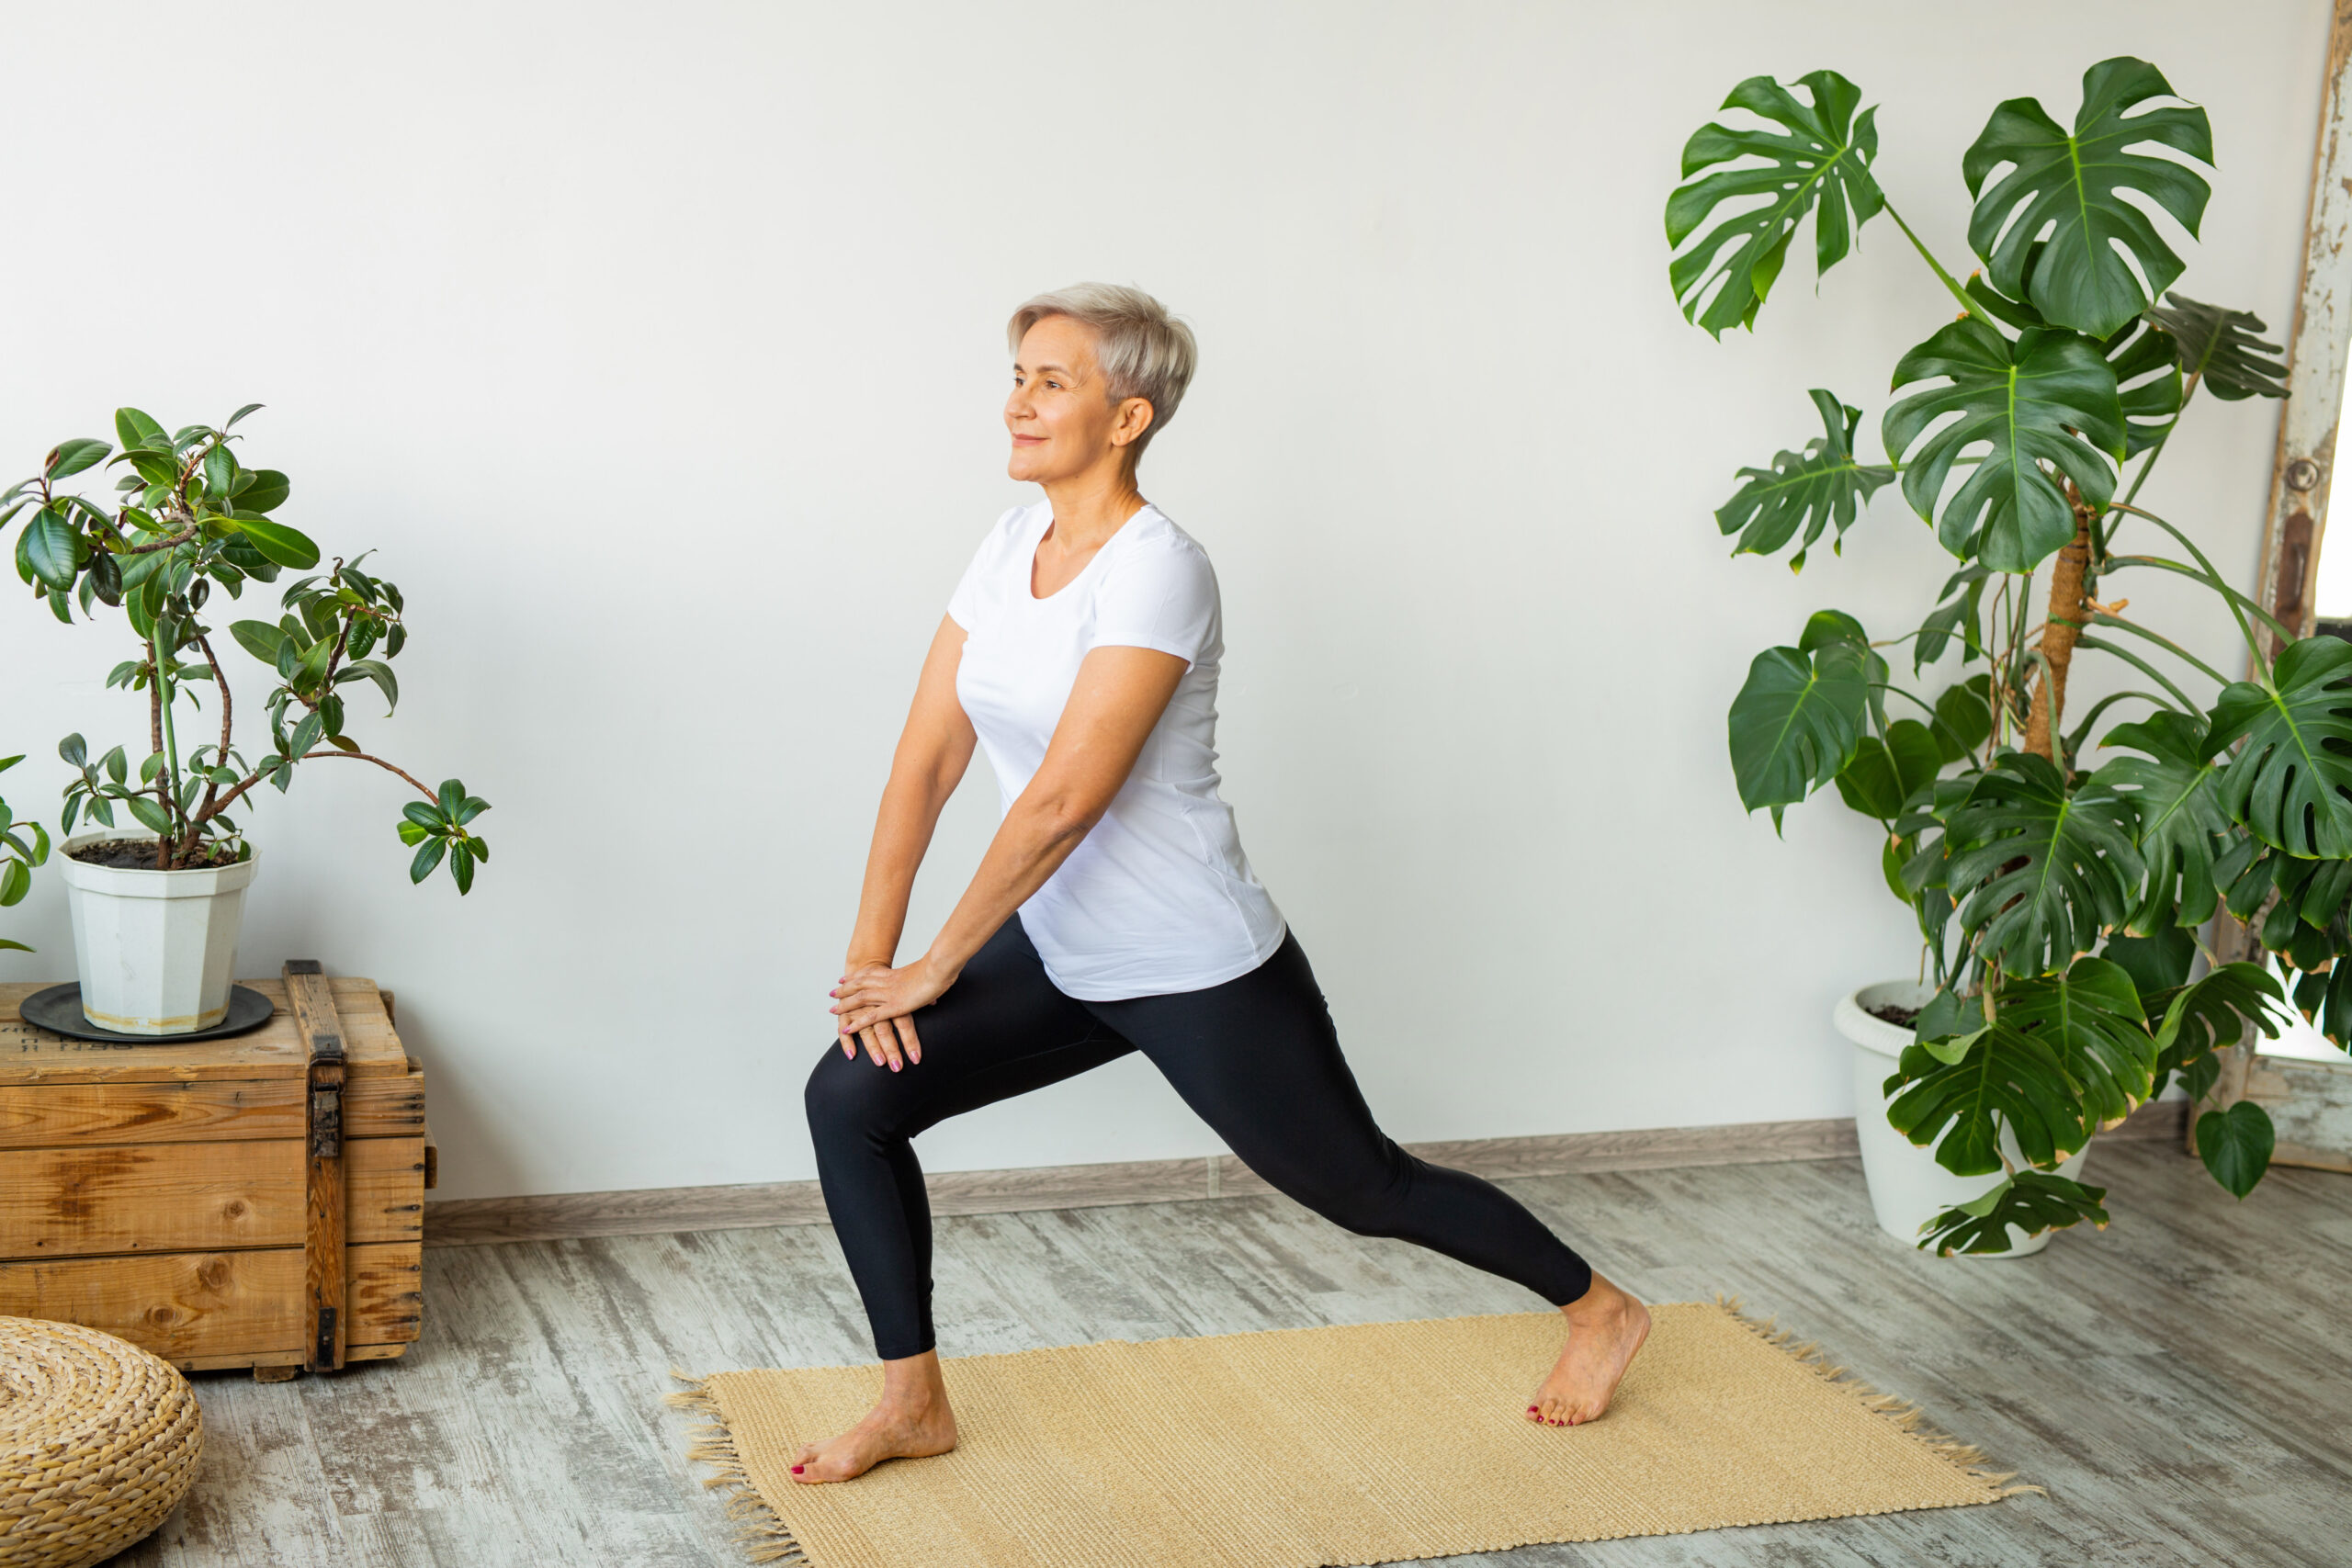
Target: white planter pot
156,950
1908,1187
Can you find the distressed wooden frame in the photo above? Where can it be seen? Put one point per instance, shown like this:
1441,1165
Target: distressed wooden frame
2307,1101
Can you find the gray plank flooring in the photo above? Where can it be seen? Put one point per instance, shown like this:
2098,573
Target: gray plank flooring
2180,1384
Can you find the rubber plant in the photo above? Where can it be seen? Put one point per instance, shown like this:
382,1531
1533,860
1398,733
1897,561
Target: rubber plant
2060,864
18,855
188,516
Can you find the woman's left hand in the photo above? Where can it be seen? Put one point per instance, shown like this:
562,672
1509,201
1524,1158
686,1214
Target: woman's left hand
875,1002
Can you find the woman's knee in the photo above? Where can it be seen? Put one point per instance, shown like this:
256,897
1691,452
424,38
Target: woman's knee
847,1095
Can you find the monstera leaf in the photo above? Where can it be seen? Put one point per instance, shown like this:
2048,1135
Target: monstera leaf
2048,396
1885,772
1824,483
1819,163
2074,185
2033,1200
2041,872
2147,371
1795,723
2292,783
2174,789
2225,348
2213,1012
1959,1097
2091,1017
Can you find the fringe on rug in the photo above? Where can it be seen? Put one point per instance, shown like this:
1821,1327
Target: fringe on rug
763,1536
1908,1417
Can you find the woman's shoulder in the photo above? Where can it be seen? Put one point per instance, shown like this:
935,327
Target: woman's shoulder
1152,557
1154,536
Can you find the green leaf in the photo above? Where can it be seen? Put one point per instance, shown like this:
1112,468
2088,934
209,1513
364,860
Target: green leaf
158,468
219,472
2175,792
2236,1145
47,545
134,430
2091,1016
1819,163
14,882
461,866
279,543
2158,963
2041,871
259,638
306,734
2048,397
249,408
267,493
73,456
426,859
73,749
1883,774
2291,785
149,815
1796,721
2222,348
412,834
377,672
428,817
117,764
2215,1012
8,945
2008,1075
1964,718
2073,185
452,796
1812,489
2032,1201
2147,379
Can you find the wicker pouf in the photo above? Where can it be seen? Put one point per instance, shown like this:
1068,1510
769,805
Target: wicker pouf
98,1442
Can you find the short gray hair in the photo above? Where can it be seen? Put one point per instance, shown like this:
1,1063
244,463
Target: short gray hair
1144,352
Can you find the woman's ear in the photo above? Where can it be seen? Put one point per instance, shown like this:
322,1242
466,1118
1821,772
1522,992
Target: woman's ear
1133,418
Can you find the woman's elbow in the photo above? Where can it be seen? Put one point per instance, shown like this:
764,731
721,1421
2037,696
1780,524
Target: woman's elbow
1061,818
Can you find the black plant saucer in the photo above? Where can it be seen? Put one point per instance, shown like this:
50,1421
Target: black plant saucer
59,1010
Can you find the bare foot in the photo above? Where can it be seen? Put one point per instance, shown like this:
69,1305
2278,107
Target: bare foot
912,1421
1606,1326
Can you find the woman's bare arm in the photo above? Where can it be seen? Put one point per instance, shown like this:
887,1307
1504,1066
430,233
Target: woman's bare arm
1116,700
934,750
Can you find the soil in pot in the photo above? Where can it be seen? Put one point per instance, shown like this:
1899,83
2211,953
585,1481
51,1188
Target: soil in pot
1902,1017
139,854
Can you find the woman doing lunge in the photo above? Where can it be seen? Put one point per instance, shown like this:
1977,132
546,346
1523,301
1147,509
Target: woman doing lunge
1113,911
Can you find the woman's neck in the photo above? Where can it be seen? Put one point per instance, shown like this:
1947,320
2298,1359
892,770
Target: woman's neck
1090,507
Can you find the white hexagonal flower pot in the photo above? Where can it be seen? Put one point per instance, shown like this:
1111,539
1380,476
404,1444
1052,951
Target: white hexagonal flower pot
156,950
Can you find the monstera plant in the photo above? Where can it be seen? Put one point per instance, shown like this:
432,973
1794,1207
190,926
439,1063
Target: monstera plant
2060,864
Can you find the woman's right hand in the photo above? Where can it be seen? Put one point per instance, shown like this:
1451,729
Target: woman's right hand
890,1042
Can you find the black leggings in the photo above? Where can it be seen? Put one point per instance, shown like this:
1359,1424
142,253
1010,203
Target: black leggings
1256,1058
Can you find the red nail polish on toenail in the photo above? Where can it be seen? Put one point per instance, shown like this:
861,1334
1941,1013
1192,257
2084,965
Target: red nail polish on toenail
795,1469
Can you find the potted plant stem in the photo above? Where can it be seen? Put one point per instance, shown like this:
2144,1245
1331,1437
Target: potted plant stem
2058,897
156,917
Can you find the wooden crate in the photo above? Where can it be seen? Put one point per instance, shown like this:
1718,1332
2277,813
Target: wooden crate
255,1201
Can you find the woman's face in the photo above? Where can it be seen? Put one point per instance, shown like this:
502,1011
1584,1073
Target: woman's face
1060,414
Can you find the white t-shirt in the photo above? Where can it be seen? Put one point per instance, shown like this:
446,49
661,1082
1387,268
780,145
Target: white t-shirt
1159,896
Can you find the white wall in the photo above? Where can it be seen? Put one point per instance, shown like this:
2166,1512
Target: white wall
657,350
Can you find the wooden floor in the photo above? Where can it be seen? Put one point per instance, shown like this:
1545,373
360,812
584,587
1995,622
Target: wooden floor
2182,1384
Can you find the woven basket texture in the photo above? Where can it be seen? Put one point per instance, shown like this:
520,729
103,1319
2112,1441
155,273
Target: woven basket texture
98,1442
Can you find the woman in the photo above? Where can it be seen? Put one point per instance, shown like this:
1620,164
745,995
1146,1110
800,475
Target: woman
1114,911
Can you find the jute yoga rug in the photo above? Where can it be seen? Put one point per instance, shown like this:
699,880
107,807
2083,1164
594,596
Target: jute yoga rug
1314,1446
